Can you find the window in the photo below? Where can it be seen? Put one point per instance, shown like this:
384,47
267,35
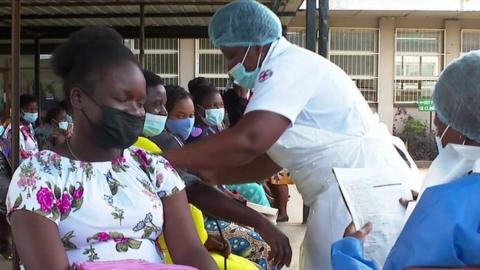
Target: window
210,63
356,52
297,38
161,57
418,63
470,40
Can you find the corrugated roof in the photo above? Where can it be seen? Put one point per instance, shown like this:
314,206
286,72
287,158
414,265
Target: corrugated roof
70,13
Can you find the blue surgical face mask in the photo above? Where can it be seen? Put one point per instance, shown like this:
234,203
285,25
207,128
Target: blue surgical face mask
181,127
63,125
154,124
243,77
30,117
438,140
214,117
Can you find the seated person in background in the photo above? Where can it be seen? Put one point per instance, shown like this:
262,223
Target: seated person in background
95,198
209,116
54,129
29,116
253,245
209,109
155,112
235,100
443,229
68,108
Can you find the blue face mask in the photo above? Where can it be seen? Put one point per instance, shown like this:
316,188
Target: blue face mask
63,125
214,117
30,117
243,77
181,127
154,124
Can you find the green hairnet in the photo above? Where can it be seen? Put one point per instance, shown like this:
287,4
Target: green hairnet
244,23
457,95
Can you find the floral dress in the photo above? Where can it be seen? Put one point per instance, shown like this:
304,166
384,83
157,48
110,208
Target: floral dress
103,210
28,142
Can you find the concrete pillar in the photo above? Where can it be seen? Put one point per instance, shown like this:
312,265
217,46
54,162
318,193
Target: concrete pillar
186,54
452,40
386,70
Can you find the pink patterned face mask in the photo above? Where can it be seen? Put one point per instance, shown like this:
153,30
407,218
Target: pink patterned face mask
128,264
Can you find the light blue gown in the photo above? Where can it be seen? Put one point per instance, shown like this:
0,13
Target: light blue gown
443,231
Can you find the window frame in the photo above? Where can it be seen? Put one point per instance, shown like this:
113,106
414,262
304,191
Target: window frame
365,92
419,80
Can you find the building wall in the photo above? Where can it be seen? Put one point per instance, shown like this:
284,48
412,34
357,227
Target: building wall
386,107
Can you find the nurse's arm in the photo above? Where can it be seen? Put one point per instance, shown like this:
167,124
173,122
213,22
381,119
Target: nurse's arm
260,168
251,137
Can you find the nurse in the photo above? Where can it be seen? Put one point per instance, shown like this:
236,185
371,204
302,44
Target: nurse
454,205
305,115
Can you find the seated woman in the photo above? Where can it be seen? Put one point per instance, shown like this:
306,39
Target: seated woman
94,198
209,116
243,241
443,229
54,130
29,116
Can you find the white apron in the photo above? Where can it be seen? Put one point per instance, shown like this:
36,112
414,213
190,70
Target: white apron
310,154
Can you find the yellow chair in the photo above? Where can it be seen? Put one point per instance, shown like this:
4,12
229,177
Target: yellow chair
147,145
234,262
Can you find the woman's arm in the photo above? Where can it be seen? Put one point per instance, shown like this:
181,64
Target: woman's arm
253,135
38,242
217,204
180,234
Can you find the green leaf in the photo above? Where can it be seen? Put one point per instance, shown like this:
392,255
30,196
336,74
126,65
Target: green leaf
69,235
113,188
94,237
134,244
55,212
69,245
57,192
18,202
115,235
71,189
65,215
147,232
121,247
76,204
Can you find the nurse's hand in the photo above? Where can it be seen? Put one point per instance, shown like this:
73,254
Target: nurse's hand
281,252
360,234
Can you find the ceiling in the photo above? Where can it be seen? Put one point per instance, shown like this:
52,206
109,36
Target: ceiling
181,18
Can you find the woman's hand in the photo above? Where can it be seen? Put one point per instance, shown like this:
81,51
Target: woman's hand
281,252
215,243
360,234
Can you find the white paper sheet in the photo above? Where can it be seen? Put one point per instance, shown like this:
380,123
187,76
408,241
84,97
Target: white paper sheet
373,195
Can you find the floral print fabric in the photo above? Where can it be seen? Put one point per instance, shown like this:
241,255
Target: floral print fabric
103,210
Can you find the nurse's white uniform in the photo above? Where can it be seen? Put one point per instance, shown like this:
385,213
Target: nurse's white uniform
332,126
